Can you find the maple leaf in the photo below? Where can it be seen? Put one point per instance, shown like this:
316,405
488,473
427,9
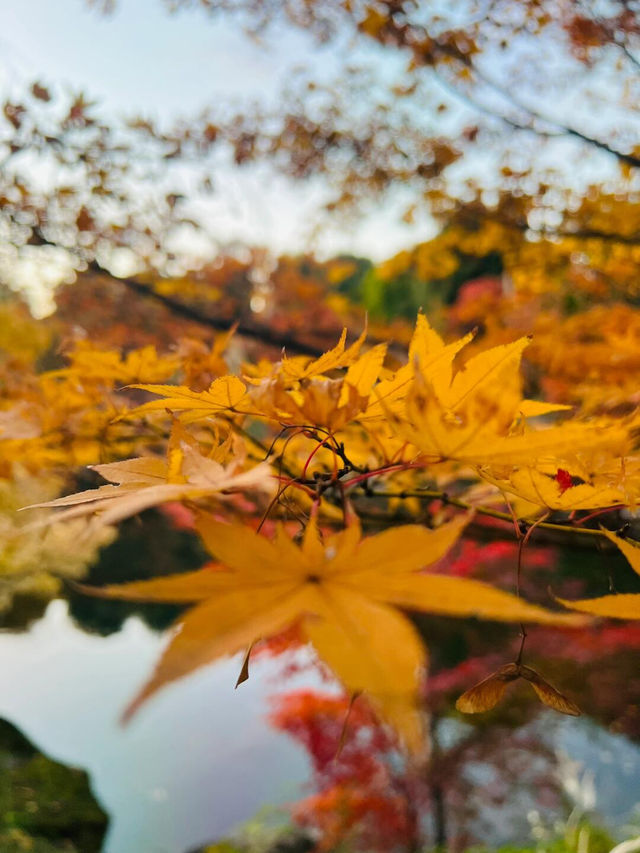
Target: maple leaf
564,480
302,367
617,606
493,369
327,403
322,402
475,415
481,434
486,695
556,492
458,417
222,395
142,365
363,373
200,362
149,480
428,354
342,592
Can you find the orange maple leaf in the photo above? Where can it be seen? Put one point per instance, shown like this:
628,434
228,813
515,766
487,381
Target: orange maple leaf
341,591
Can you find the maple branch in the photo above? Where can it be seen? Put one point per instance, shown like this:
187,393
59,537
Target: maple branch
579,234
434,494
264,334
558,129
561,129
266,451
337,449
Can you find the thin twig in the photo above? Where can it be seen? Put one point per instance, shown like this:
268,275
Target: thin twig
434,494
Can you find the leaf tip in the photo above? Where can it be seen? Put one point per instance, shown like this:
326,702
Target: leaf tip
244,669
132,708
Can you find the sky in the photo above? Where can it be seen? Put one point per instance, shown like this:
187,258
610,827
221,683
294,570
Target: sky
140,58
143,60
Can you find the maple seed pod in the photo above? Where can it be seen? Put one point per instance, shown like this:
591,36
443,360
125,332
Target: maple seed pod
487,694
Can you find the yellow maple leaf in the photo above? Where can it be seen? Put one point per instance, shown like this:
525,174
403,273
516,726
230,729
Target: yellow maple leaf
149,481
617,606
490,375
317,400
464,417
428,355
363,373
544,491
302,367
140,365
223,394
476,416
342,591
484,397
326,403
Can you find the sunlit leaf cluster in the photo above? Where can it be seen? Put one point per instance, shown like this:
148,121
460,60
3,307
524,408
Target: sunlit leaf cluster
289,467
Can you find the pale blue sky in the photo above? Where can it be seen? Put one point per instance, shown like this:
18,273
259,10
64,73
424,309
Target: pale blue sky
142,58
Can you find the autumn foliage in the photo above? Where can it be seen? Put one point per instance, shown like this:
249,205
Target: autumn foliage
438,437
366,454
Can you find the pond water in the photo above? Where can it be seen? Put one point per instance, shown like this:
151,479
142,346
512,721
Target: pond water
189,767
201,758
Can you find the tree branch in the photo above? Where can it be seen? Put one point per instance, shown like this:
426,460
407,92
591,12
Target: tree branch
260,333
433,494
579,234
559,130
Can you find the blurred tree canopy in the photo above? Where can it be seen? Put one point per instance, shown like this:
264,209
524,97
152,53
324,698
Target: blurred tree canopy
481,113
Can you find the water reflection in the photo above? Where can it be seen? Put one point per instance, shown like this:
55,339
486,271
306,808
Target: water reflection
190,767
202,758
